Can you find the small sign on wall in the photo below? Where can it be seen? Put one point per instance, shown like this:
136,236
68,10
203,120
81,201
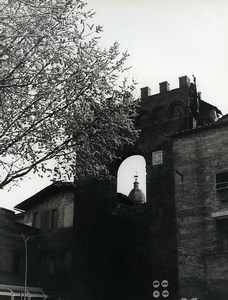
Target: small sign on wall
161,289
157,158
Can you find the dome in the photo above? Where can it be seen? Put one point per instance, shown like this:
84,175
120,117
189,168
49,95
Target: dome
136,194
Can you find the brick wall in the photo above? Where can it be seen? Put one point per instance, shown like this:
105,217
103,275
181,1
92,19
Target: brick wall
151,229
160,212
156,222
198,156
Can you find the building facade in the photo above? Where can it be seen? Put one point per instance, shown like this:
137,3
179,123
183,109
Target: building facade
12,248
96,244
137,246
201,197
43,233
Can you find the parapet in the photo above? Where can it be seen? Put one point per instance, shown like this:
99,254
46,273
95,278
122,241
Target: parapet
184,82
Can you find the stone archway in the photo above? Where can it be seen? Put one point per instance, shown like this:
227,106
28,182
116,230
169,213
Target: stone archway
131,167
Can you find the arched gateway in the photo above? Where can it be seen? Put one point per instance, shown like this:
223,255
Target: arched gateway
129,244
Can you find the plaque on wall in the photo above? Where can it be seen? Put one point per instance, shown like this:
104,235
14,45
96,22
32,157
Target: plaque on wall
157,158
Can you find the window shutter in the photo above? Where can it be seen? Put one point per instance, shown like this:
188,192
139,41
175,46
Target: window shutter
45,219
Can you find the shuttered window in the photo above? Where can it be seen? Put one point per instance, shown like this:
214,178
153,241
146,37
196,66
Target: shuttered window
45,220
54,218
35,222
49,219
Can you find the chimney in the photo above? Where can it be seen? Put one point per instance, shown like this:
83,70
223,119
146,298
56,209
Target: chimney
164,86
145,92
184,81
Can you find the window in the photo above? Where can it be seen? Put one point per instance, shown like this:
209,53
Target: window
222,182
35,220
177,111
69,215
49,219
17,264
54,219
222,231
160,116
51,264
45,221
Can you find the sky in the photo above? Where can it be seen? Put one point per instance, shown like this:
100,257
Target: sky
166,39
171,38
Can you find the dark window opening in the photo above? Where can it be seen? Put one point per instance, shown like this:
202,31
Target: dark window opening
222,230
222,182
17,264
51,264
160,116
177,112
54,219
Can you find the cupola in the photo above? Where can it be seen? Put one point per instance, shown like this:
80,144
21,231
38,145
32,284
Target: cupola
136,194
